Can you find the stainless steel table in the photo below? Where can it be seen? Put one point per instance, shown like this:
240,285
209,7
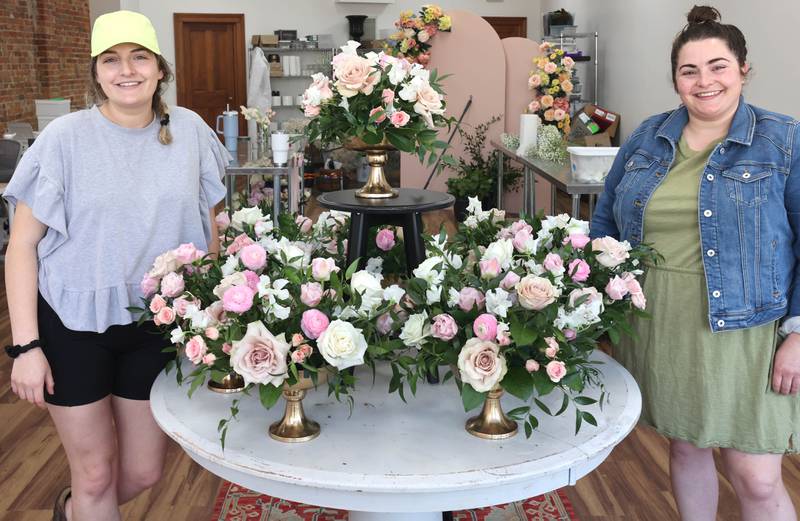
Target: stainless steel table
251,159
559,176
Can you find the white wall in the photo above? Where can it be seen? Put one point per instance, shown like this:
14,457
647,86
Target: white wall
315,16
636,38
98,7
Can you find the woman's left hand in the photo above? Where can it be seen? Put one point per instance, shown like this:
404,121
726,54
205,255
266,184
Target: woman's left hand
786,367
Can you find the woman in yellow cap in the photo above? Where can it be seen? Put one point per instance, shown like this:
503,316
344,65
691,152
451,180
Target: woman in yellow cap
98,196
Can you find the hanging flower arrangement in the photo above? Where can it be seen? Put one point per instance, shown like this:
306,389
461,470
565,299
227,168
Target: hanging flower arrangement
552,86
412,40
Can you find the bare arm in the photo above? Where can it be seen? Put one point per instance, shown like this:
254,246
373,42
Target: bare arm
213,246
30,372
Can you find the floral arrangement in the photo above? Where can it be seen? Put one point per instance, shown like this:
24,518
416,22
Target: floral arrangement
274,303
261,118
520,306
510,141
414,32
551,82
550,146
376,99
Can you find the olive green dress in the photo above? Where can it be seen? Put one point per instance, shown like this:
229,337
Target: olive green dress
710,389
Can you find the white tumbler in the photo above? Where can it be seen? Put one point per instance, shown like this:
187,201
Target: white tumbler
280,148
528,132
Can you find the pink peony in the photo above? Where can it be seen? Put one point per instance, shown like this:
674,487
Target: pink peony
187,253
490,268
485,327
552,347
157,304
444,327
172,284
252,279
577,240
579,270
376,110
195,349
311,294
399,118
556,370
238,299
149,285
385,239
559,114
531,365
239,242
469,298
314,323
253,256
509,281
165,316
616,289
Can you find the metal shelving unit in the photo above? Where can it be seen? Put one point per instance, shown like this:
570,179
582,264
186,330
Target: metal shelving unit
569,43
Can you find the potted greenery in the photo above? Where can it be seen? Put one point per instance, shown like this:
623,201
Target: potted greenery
476,176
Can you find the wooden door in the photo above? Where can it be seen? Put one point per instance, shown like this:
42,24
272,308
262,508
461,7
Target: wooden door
508,26
210,64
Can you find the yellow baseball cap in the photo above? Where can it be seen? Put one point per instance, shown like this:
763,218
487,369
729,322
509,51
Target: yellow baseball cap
123,27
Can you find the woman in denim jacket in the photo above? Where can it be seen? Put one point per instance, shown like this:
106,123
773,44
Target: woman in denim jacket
715,186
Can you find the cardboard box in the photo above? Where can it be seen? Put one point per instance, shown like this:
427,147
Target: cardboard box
267,40
599,131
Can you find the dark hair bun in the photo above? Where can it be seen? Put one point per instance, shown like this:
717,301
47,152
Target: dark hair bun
703,14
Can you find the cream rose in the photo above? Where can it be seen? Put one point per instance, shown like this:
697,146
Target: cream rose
354,74
611,252
535,292
235,279
164,263
260,357
342,345
481,365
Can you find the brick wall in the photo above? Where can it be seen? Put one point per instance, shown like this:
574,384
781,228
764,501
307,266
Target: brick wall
44,53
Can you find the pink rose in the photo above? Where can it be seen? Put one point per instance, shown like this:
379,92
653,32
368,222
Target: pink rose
534,106
552,347
523,241
490,268
385,239
172,284
311,294
550,67
556,370
297,339
311,111
424,58
535,292
509,281
149,285
300,354
635,290
321,268
157,303
578,270
553,263
209,359
313,323
252,279
534,81
253,256
616,289
238,243
211,333
531,365
387,96
238,299
304,223
559,114
569,334
180,304
165,316
444,327
223,220
469,298
260,357
187,253
485,327
399,118
561,103
195,349
377,110
384,323
577,240
226,348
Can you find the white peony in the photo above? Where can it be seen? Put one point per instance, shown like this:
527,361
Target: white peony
369,287
342,345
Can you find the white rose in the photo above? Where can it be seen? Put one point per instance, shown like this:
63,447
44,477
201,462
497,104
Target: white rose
502,250
294,256
481,365
260,357
342,345
416,329
246,216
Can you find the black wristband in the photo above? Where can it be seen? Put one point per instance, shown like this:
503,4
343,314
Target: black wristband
15,351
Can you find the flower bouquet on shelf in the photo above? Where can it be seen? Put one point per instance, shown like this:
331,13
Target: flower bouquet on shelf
519,307
414,32
552,85
277,310
375,103
262,119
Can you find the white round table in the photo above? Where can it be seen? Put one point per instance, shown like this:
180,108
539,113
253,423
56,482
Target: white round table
391,460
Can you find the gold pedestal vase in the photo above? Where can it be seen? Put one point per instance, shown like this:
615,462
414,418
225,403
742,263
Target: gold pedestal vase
376,187
295,427
492,423
231,383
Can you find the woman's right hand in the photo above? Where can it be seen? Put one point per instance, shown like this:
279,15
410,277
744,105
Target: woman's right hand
30,375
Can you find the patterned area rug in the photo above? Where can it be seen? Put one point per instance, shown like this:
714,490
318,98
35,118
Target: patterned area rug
235,503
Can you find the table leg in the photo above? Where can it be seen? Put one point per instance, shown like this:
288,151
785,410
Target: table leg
592,201
276,198
412,237
526,174
576,206
229,180
533,193
357,240
394,516
552,199
500,161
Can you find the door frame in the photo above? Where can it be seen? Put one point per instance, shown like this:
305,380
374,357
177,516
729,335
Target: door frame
239,64
511,21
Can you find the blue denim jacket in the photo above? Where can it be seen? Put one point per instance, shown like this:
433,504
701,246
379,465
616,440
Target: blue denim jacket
748,209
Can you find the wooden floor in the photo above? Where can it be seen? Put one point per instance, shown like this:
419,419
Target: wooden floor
632,484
